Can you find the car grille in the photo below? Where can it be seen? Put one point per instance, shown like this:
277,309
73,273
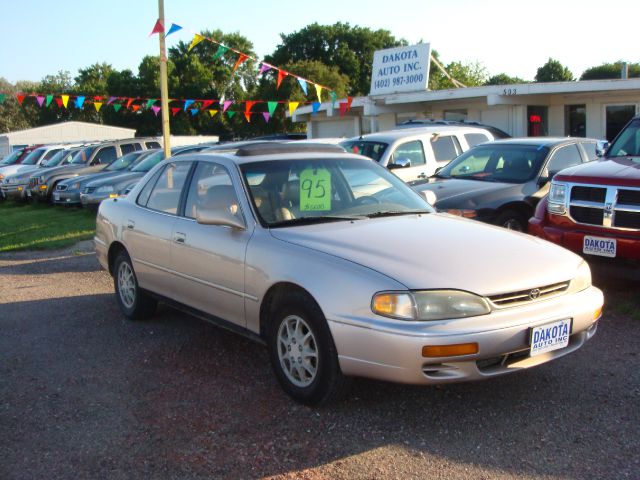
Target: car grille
33,181
89,190
61,187
513,299
605,206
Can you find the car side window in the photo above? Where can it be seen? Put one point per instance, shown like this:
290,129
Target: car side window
143,198
474,139
445,147
151,145
211,186
590,149
412,151
165,196
106,155
564,157
127,148
51,153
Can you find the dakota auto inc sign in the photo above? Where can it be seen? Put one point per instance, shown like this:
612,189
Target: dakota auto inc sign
401,69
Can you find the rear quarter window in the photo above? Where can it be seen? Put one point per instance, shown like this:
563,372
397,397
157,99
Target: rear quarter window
474,139
445,147
151,145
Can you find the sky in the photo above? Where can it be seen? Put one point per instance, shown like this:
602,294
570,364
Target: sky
39,37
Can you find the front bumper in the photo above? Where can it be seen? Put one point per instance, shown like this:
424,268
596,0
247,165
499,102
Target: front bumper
14,191
92,199
66,197
394,354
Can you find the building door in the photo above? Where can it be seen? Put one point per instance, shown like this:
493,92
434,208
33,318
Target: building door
616,117
575,120
537,121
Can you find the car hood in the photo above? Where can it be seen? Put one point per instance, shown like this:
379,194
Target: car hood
440,251
85,179
454,191
116,179
613,171
22,170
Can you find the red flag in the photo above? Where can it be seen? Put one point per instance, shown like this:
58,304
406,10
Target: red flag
344,107
205,104
158,28
20,98
174,110
247,115
281,75
349,100
130,102
242,58
135,108
59,102
248,105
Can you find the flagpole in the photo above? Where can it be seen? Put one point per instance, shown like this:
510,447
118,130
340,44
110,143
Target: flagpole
164,89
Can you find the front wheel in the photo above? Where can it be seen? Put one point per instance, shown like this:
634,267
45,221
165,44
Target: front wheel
134,302
302,352
512,220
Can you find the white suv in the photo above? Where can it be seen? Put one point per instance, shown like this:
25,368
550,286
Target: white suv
416,153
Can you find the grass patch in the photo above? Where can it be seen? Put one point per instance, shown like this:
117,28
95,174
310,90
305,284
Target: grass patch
38,226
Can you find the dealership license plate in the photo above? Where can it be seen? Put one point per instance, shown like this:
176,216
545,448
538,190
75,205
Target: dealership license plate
603,247
550,336
56,196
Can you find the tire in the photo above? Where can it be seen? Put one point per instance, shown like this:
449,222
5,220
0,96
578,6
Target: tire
135,303
298,326
512,220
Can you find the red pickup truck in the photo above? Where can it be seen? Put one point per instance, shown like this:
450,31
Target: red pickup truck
594,208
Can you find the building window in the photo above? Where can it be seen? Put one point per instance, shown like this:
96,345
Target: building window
617,117
458,115
537,121
575,120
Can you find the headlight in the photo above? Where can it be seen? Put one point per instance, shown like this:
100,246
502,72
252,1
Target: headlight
105,189
582,280
557,198
429,305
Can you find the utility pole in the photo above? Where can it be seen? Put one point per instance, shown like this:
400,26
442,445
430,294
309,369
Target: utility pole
164,88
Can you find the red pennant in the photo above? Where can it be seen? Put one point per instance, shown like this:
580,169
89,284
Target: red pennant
158,28
59,102
349,100
248,104
205,104
98,98
281,75
130,102
344,107
135,108
247,115
174,110
242,58
20,98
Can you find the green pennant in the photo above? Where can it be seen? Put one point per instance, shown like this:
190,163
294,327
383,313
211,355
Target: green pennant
272,106
49,100
150,103
2,97
221,51
117,106
230,113
334,99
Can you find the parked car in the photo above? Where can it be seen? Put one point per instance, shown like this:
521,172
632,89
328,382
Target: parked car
91,160
26,158
113,186
416,153
594,209
501,182
274,242
497,133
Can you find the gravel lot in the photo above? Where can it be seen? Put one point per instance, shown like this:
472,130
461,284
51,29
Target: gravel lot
85,393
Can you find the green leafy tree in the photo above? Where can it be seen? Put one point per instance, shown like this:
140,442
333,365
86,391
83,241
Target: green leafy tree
348,48
12,115
610,71
503,79
469,74
554,71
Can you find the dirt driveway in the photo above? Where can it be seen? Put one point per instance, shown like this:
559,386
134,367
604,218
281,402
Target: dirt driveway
86,394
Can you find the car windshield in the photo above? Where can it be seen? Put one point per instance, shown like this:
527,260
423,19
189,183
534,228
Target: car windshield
506,163
11,158
627,144
373,150
149,162
296,192
123,162
82,156
56,159
34,156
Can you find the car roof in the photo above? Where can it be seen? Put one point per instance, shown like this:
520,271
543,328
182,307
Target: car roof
392,135
539,141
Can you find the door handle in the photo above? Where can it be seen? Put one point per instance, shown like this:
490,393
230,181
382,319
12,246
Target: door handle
179,237
130,224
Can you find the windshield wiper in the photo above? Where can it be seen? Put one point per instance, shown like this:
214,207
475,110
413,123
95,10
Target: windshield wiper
311,220
391,213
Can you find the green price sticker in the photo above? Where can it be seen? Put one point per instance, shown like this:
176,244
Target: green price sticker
315,190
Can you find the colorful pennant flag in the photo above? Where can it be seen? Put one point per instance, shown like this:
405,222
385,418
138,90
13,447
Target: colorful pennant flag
49,100
174,110
334,99
249,104
225,105
79,101
205,104
318,92
155,109
266,116
150,102
292,107
315,107
231,113
20,98
281,75
187,103
97,105
241,59
173,29
194,111
212,113
129,102
40,100
197,38
111,100
349,101
343,106
157,28
271,106
59,102
220,52
135,108
264,68
303,84
65,100
247,115
117,106
2,97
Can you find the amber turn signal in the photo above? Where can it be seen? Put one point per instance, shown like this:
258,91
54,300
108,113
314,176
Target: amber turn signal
449,350
597,313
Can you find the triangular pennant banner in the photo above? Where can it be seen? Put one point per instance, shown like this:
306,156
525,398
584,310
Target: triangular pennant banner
212,113
150,102
241,59
226,104
111,100
221,51
98,98
266,116
59,102
205,104
65,100
271,106
344,106
173,29
49,100
292,107
194,111
303,85
97,105
197,38
281,75
247,115
40,100
155,109
174,110
79,101
334,99
249,104
231,113
264,67
20,98
188,103
315,106
129,102
135,108
157,28
2,97
117,106
318,92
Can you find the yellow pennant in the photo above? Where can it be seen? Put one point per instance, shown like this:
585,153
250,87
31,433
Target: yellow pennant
98,106
292,107
65,100
319,92
212,112
197,38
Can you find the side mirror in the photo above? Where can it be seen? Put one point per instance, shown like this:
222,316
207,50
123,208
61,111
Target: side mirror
601,148
399,163
220,216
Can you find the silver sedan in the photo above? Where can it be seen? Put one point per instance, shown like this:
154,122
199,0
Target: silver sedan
341,270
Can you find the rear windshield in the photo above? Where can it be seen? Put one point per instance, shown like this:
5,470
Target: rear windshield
373,150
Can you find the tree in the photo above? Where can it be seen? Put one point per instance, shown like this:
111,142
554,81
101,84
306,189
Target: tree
12,115
469,74
348,48
554,71
610,71
503,79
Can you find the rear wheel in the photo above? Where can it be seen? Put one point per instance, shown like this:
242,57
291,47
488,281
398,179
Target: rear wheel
134,302
512,220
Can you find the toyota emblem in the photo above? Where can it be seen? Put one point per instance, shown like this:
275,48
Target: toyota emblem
535,293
